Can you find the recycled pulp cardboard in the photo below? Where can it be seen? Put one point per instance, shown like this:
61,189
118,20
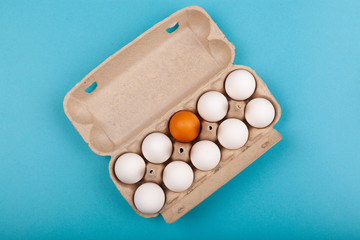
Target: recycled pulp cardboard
142,85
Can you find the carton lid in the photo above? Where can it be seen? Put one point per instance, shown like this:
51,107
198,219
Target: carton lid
144,79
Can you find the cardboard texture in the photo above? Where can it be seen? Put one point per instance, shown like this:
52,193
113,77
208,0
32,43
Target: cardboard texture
142,85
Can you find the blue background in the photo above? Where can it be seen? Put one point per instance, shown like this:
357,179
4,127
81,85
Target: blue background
307,186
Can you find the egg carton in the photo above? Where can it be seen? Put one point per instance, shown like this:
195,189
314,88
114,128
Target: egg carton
139,88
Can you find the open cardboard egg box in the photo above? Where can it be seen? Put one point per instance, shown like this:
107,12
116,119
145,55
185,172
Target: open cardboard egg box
140,87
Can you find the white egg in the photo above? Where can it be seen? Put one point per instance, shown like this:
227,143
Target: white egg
240,84
157,147
178,176
232,133
259,112
205,155
212,106
149,198
130,168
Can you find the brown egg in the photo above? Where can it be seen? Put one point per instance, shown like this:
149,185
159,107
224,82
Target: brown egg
184,126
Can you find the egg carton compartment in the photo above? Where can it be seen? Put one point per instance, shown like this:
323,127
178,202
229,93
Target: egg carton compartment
141,86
